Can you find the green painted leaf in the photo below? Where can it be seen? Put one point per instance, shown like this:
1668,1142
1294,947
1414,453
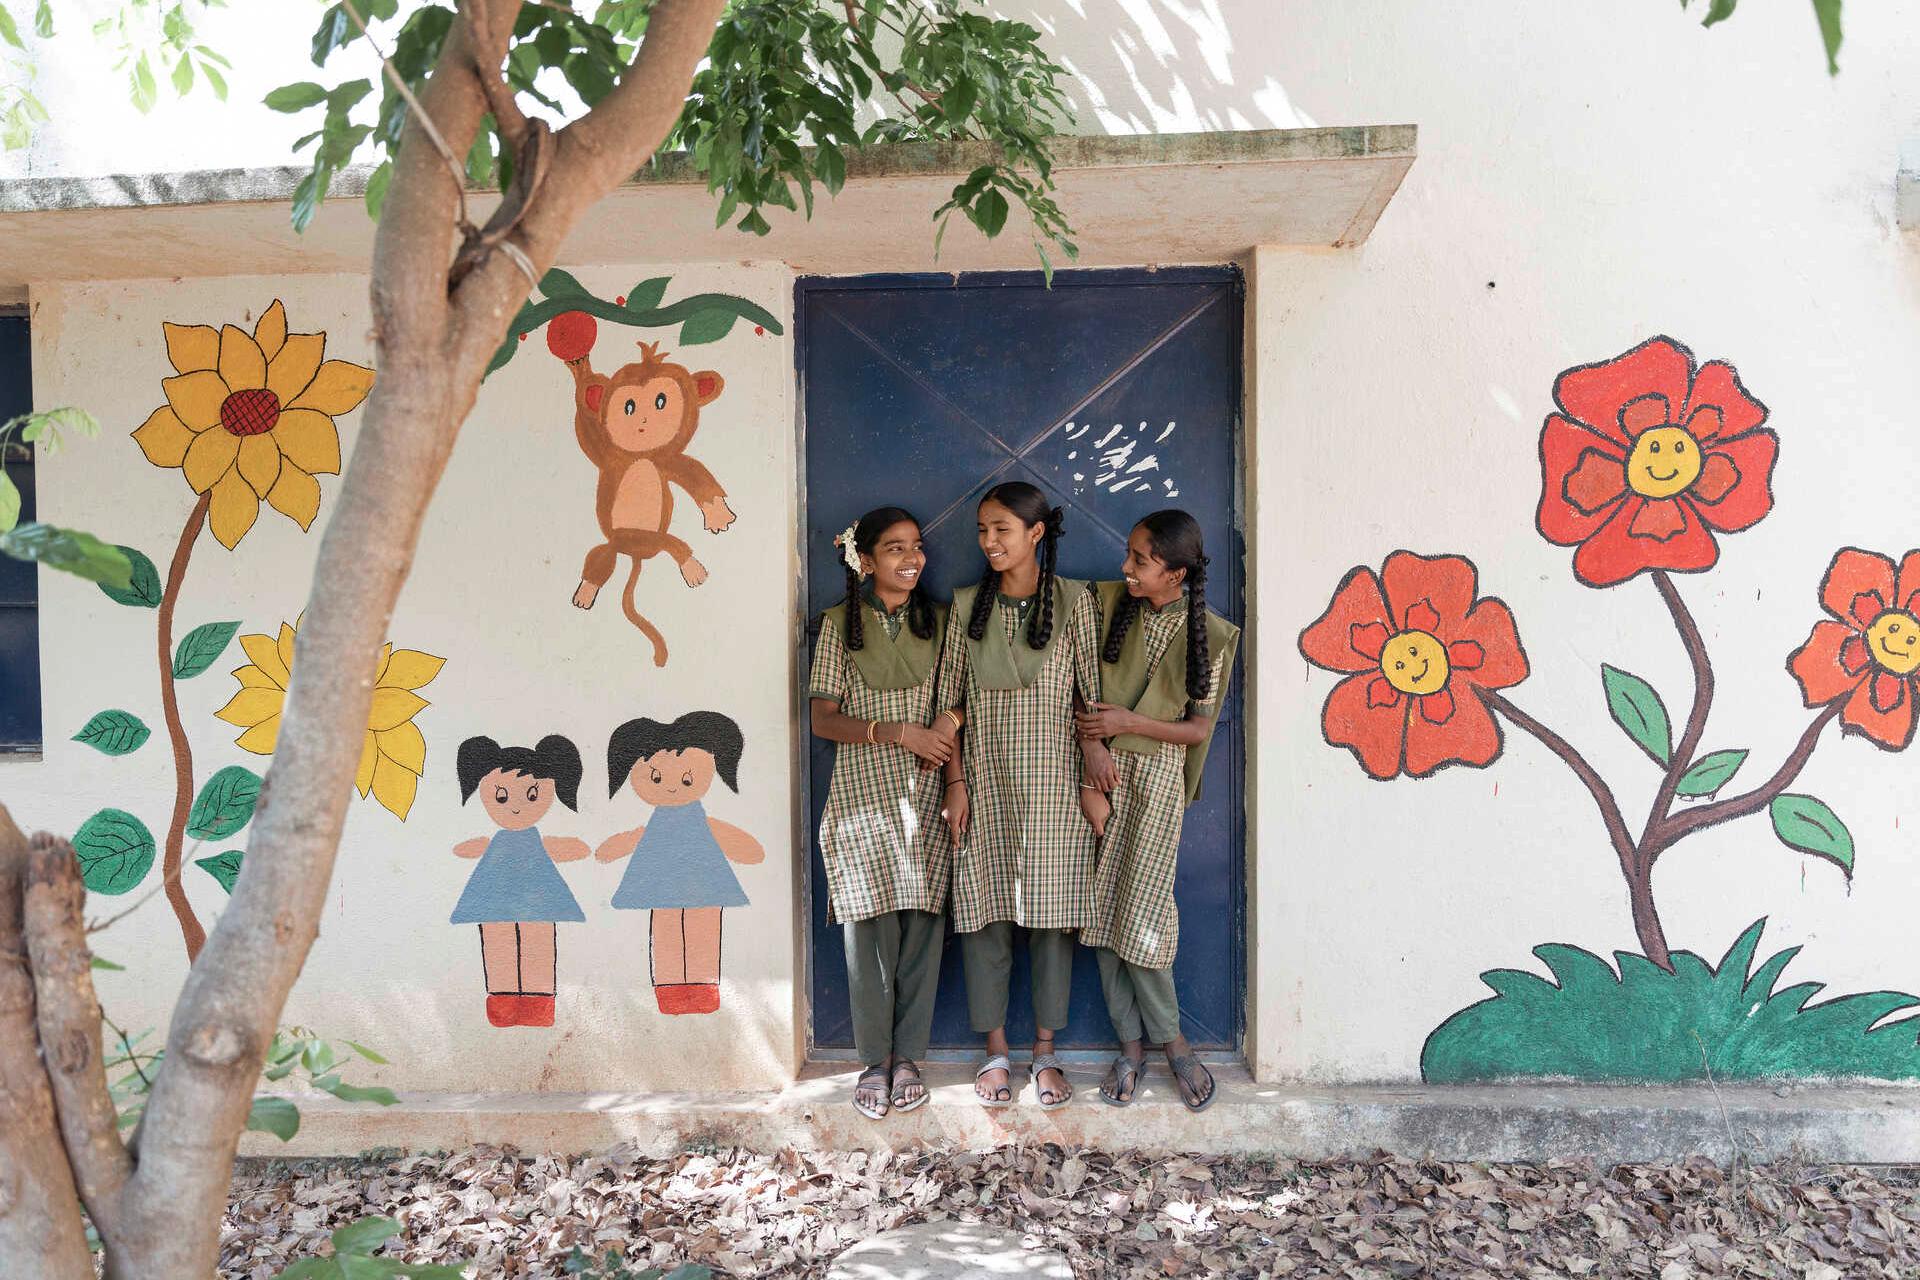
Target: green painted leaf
707,326
115,851
276,1116
1719,11
1636,708
9,502
559,284
224,867
646,295
201,647
296,97
363,1236
68,550
143,590
114,732
1828,12
1710,773
225,804
1808,825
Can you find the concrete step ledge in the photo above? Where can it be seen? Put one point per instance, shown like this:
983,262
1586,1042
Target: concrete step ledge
1609,1124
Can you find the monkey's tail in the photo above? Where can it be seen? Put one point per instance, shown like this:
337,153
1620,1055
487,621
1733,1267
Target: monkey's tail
633,615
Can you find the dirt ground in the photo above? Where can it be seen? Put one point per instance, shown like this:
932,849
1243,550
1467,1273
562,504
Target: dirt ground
1113,1214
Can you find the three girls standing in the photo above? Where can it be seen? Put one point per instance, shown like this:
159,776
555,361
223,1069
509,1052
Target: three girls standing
1025,797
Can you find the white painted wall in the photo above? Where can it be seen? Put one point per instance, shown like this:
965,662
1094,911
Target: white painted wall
1589,176
490,591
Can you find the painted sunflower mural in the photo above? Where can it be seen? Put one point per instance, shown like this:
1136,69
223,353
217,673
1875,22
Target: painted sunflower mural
1645,459
249,417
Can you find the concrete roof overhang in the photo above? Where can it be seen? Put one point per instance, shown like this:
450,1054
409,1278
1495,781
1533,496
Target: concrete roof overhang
1133,200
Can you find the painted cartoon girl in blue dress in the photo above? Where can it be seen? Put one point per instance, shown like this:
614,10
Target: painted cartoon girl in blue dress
516,895
679,870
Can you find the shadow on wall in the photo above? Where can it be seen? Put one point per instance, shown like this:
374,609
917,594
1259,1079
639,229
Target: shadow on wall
1164,67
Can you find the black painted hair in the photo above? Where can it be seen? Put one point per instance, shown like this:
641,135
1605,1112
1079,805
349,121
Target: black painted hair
552,757
866,536
1030,507
1175,538
710,731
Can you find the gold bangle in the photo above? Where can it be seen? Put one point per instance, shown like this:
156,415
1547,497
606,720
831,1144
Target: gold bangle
871,726
953,715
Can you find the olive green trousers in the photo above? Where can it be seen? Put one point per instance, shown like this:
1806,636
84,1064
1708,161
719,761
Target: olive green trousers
893,973
1139,1000
987,954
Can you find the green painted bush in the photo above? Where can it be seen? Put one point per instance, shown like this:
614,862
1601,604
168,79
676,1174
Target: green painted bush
1640,1023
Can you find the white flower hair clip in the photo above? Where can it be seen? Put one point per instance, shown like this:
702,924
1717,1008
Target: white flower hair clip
848,552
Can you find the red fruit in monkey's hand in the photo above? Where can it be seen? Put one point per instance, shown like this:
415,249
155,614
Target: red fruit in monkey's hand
570,334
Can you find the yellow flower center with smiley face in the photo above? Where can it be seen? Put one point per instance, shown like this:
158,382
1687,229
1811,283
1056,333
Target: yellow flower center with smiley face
1894,642
1665,461
1415,662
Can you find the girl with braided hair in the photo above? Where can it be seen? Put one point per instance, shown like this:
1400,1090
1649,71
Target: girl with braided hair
1013,796
889,857
1163,670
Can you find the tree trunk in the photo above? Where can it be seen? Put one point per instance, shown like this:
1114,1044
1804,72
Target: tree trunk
159,1208
41,1234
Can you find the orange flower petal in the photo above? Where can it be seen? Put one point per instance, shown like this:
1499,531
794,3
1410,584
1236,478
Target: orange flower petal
261,738
242,367
235,508
338,387
259,463
266,658
164,438
191,347
196,397
209,458
296,495
271,331
292,369
309,440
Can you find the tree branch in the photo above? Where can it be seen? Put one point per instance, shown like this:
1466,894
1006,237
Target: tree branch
1682,757
1602,794
1681,825
68,1016
488,53
41,1233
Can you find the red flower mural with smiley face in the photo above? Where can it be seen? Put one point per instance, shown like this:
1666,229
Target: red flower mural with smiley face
1417,647
1870,653
1647,458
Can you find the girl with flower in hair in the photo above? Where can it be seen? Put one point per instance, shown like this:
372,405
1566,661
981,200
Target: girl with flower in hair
888,855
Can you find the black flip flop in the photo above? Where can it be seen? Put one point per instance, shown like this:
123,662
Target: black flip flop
926,1094
878,1112
1183,1068
1126,1079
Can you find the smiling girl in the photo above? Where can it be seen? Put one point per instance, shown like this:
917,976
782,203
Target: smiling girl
1013,795
1163,670
889,857
515,894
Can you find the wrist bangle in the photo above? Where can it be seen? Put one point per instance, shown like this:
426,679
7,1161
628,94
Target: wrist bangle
871,726
1089,786
953,715
957,782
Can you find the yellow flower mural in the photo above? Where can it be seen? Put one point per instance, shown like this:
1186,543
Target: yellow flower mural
252,417
394,752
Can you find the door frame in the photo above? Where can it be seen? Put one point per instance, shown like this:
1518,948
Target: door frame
1233,274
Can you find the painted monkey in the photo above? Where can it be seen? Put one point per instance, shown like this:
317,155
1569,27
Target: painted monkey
635,426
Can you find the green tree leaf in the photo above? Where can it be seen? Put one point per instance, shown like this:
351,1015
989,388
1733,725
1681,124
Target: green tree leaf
68,550
8,31
276,1116
1808,825
225,804
114,732
1636,708
312,1269
143,587
340,1089
115,851
296,97
1710,773
9,502
108,965
365,1235
224,867
710,325
1828,12
1719,11
364,1052
201,647
183,76
214,78
145,90
377,188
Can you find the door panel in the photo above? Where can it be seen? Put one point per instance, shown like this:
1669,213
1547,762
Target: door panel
1116,392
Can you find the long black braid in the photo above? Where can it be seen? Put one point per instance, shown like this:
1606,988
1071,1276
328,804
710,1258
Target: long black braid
1030,507
1175,538
867,532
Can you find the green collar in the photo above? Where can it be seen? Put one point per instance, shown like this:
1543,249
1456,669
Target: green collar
999,663
1161,693
891,657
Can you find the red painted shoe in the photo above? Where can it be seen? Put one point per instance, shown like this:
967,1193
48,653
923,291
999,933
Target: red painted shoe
688,997
520,1011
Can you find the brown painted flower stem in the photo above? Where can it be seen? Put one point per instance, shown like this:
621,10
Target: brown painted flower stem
1682,757
1684,824
190,930
1646,919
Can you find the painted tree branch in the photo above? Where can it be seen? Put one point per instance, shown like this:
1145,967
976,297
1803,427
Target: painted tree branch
68,1019
1681,825
1682,757
190,931
41,1232
1638,873
434,344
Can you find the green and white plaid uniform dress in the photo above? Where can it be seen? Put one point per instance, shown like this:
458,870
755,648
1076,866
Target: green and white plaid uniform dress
1028,853
885,845
1133,909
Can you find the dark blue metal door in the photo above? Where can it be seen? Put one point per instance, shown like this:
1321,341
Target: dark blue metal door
1119,393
